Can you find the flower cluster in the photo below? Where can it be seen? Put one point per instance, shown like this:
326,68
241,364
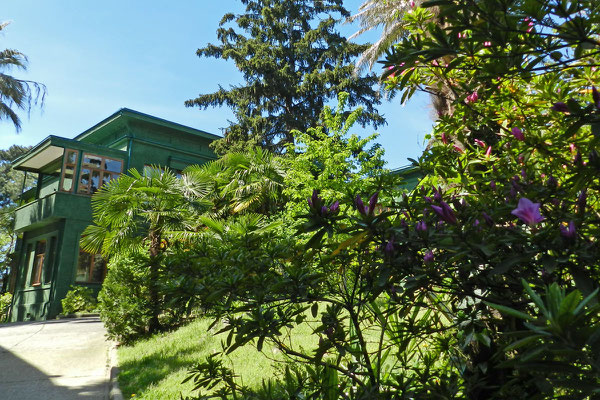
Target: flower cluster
316,204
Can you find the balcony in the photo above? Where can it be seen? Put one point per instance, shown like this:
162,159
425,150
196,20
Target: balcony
69,171
51,208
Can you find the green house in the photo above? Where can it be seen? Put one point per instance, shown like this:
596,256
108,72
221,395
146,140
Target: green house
47,258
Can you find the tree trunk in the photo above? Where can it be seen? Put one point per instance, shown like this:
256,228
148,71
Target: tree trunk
155,239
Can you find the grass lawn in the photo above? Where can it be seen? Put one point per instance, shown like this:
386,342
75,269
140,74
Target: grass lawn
154,368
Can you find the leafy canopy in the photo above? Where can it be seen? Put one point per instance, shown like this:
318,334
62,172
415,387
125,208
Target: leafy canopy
293,63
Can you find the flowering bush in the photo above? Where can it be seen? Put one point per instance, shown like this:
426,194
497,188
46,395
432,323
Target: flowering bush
482,283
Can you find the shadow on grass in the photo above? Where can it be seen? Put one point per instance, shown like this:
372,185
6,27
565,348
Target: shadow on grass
163,358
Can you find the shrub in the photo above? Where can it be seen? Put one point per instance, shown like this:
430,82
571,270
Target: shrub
124,301
79,299
5,301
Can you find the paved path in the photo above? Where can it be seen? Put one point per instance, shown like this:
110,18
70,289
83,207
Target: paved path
54,360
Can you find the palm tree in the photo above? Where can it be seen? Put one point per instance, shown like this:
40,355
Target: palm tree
240,182
137,212
373,14
15,92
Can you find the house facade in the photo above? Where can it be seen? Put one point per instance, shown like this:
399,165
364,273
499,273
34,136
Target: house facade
47,259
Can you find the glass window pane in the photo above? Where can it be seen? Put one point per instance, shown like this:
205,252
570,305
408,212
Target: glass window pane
83,267
98,268
68,178
95,181
50,260
71,157
92,161
84,180
112,165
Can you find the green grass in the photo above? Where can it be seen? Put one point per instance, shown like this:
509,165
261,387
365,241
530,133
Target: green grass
154,368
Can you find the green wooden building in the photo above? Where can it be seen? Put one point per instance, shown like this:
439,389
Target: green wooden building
47,258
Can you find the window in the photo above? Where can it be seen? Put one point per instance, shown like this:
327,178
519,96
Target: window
91,268
38,263
51,252
68,171
96,171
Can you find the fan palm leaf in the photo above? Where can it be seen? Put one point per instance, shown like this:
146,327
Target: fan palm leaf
14,92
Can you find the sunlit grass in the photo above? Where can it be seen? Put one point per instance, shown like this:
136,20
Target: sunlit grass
154,368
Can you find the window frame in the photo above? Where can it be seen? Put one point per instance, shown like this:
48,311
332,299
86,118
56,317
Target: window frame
64,168
86,188
38,263
90,268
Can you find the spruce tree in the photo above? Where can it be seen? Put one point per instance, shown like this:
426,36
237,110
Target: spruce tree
293,62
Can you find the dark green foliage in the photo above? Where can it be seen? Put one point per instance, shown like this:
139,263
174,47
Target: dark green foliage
78,299
5,302
422,296
124,301
11,184
293,62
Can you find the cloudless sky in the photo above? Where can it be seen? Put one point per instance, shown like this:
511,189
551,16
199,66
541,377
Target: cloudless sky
96,57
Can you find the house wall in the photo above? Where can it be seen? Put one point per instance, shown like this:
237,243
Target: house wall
64,216
33,302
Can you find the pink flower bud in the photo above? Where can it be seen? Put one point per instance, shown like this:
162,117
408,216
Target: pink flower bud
518,134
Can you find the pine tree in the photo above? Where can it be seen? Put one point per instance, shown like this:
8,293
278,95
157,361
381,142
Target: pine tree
293,62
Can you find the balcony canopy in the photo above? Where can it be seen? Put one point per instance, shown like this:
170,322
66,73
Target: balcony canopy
51,149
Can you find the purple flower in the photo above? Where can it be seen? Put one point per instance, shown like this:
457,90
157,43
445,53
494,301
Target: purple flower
389,247
315,196
560,107
472,98
437,194
428,199
314,200
528,212
428,257
568,231
596,97
335,207
577,160
373,202
421,226
324,211
444,138
360,205
517,133
445,212
493,185
476,222
488,219
552,182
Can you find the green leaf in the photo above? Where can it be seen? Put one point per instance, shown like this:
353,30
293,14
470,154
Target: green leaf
314,309
510,311
570,302
522,342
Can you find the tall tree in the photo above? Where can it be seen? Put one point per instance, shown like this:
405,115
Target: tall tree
390,15
12,183
133,214
293,62
385,14
14,92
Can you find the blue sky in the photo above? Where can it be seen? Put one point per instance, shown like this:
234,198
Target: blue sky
97,57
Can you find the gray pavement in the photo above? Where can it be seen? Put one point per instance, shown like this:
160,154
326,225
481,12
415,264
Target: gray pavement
54,360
